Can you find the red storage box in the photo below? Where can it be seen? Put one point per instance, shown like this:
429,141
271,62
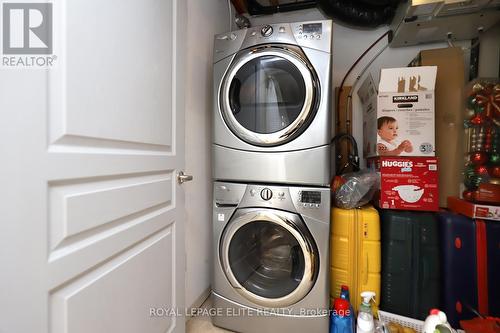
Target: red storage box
487,212
408,183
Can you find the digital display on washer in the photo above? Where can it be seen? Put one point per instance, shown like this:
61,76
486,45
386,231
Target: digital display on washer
311,197
312,28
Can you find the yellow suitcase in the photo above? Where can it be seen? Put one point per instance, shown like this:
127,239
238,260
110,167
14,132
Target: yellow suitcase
355,253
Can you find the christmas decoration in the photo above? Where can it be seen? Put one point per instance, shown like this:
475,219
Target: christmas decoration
479,158
482,127
468,195
481,170
495,158
495,171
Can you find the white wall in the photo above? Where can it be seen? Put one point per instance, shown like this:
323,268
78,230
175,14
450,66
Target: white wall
348,45
489,53
205,19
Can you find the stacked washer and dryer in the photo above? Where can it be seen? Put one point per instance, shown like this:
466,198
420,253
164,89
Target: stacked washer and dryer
272,126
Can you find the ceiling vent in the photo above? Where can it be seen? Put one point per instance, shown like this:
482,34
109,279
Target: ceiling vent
426,21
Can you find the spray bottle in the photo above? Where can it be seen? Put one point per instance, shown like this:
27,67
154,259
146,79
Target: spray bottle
365,315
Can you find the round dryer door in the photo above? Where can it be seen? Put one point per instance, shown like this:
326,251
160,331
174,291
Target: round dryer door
268,95
269,256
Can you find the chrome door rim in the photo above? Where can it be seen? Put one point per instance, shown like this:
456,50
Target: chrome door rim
287,133
287,221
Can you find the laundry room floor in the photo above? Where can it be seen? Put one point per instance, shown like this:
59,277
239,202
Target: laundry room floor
203,323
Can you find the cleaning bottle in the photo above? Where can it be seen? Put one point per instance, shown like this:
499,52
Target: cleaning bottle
365,315
344,294
436,321
341,317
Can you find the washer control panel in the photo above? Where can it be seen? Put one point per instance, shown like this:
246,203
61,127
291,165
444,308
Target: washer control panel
310,199
313,202
270,196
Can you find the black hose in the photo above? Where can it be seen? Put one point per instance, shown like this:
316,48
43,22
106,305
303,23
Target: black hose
337,109
353,158
363,13
255,8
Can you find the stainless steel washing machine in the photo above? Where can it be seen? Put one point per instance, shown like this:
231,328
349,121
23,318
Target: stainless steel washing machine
270,251
272,119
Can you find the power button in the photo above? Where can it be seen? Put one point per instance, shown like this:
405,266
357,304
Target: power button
266,194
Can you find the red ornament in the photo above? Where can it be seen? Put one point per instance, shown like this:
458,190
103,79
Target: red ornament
477,120
475,195
481,170
495,172
467,194
479,158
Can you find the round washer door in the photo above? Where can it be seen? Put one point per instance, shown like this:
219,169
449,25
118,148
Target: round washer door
269,256
268,95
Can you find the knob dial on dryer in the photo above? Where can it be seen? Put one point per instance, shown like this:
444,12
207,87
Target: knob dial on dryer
266,30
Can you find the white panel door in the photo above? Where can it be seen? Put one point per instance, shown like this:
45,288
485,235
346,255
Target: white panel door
91,226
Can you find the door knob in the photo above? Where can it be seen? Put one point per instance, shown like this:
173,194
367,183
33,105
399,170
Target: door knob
182,178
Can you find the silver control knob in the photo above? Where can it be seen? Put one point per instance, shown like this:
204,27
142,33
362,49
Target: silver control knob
266,30
266,194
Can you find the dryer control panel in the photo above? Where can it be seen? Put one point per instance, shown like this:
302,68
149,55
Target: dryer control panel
311,31
313,34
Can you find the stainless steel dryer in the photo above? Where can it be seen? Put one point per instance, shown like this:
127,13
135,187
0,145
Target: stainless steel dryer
271,258
272,118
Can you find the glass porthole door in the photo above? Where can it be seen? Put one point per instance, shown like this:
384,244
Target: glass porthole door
268,95
269,256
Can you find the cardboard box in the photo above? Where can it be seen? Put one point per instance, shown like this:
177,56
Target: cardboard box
403,124
449,116
479,211
367,94
409,183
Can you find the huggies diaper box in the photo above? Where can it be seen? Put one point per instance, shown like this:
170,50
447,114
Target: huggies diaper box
400,121
409,183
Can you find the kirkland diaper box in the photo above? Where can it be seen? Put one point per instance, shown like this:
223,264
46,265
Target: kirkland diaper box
408,183
400,120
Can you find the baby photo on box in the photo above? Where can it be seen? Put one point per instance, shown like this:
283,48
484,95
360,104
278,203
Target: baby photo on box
399,120
388,142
